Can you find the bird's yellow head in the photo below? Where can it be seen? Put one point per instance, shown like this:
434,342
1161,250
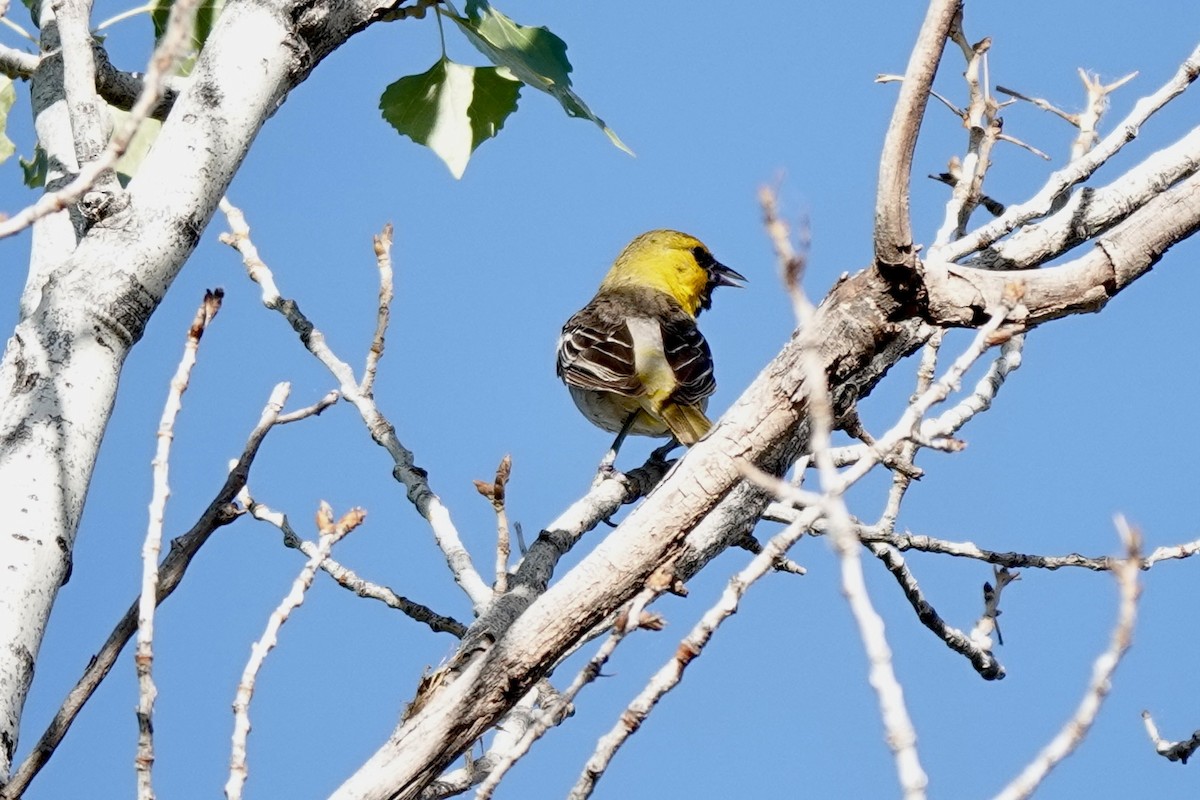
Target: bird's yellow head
674,263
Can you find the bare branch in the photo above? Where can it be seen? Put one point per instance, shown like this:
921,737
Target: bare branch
346,577
983,126
382,431
144,656
383,259
310,411
899,732
989,622
1172,751
631,619
1044,105
1126,253
1004,137
886,78
118,88
86,112
1077,171
1097,104
331,533
907,426
893,223
979,655
782,564
671,673
17,63
495,493
1092,211
1076,728
904,461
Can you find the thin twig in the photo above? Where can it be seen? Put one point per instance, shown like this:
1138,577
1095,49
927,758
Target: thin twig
1077,171
1077,727
981,634
949,422
1097,104
348,578
144,655
415,479
907,426
1172,751
17,29
1004,137
782,564
314,410
983,126
780,512
903,478
495,493
331,533
1044,105
511,728
979,654
889,78
128,13
383,260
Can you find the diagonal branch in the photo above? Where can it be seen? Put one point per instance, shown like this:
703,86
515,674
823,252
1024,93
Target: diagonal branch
1086,284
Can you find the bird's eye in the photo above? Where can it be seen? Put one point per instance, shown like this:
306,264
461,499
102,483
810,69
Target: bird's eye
702,256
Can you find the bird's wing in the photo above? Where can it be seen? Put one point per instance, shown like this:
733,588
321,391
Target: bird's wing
595,351
688,354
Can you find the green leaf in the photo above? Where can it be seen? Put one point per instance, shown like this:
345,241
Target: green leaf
35,169
35,11
206,16
139,146
534,55
451,108
8,96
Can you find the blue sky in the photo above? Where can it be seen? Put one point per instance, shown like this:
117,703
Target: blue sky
715,102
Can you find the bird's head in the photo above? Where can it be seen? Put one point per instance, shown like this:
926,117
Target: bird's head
674,263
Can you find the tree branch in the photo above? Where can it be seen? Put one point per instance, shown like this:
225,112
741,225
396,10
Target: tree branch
414,479
960,295
893,222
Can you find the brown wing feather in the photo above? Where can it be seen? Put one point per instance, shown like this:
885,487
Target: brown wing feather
689,356
595,351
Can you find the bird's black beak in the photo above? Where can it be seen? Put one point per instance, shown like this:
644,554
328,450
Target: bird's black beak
724,276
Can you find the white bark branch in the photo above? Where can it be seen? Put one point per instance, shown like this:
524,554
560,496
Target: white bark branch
893,222
84,306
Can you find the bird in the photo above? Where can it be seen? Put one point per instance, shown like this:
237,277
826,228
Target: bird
633,359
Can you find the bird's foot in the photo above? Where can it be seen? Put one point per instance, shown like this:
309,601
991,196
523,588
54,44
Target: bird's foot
661,453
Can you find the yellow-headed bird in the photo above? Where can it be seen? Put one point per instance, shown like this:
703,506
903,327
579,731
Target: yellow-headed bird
633,358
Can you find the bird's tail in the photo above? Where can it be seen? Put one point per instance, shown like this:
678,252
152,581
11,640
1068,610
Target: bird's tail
687,423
